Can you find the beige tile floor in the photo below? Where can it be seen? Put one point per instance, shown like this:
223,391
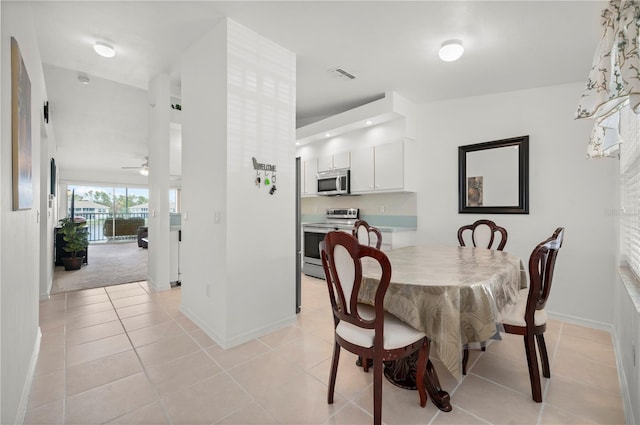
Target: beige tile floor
126,355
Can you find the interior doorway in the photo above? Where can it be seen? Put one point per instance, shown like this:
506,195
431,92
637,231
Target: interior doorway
116,218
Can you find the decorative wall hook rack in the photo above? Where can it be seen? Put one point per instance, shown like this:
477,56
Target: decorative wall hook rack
269,179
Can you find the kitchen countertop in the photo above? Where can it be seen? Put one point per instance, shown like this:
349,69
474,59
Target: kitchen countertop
383,229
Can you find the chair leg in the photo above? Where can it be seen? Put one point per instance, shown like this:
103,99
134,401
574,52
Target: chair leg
542,348
421,368
333,373
532,361
465,359
377,391
365,364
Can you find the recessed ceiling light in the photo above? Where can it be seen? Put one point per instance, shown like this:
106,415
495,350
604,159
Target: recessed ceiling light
327,135
451,50
103,49
369,122
83,78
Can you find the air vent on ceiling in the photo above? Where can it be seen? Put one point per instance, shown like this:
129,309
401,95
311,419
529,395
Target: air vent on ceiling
342,73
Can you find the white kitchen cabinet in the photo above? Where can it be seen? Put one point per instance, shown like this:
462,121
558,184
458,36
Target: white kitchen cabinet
397,239
384,168
389,166
362,174
334,162
309,184
342,160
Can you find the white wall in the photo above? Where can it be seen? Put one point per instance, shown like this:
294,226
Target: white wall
19,264
48,210
159,131
565,188
238,241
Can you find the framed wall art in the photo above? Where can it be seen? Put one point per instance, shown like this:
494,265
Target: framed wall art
20,131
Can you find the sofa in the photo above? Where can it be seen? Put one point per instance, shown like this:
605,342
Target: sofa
122,227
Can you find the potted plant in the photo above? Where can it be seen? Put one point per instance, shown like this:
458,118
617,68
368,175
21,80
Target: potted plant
75,235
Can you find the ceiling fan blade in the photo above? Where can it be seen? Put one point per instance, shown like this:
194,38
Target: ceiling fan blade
130,168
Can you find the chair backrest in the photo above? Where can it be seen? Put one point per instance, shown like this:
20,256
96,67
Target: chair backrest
483,234
342,262
367,235
541,265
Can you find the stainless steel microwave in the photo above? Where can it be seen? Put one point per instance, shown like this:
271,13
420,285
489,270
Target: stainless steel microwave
334,182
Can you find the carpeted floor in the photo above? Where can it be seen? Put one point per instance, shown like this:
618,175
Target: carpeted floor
109,264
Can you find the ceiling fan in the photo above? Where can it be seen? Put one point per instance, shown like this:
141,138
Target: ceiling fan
143,168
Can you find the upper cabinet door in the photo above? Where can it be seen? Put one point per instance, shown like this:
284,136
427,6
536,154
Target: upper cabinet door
333,162
362,170
325,163
389,166
342,160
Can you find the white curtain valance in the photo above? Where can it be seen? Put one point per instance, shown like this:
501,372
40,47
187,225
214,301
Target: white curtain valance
615,74
605,137
614,79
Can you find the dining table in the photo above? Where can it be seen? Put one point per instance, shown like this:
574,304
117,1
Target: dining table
455,295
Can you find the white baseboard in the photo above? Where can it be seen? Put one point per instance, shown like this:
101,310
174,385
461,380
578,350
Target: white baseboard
158,288
581,321
241,338
624,384
26,389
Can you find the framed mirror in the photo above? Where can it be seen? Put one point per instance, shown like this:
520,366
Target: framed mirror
493,177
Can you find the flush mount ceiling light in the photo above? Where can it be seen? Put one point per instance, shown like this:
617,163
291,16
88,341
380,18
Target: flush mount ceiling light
103,49
451,50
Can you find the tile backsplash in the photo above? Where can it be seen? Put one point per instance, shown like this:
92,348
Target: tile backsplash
382,209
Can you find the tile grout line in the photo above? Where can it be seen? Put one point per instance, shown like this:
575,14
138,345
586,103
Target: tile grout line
144,369
64,366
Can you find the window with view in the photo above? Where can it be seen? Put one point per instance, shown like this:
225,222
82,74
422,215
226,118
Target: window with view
630,189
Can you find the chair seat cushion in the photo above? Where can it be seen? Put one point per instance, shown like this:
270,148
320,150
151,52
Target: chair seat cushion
397,334
515,315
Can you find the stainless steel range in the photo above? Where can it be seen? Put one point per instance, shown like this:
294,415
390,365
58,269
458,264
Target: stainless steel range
335,219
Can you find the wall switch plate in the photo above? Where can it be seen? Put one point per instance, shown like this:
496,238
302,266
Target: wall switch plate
381,209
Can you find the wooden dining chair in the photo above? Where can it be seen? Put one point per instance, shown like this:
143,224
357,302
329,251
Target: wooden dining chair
527,317
483,234
363,232
367,331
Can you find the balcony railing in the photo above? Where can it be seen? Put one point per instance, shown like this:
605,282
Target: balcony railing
97,223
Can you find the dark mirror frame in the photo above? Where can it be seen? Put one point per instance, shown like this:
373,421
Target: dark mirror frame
522,143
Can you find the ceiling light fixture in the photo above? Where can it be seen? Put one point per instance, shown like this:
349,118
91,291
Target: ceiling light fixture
451,50
144,170
103,49
369,122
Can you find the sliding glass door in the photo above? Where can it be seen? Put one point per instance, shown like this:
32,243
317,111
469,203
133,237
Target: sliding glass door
112,213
